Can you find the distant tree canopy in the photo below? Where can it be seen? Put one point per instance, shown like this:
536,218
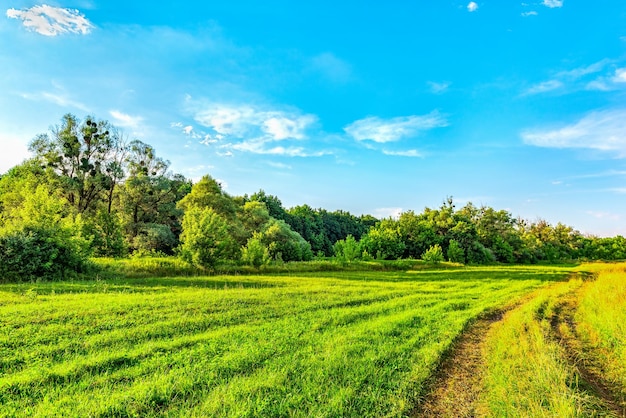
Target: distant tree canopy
90,191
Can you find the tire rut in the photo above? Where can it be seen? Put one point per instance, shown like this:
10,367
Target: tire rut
456,384
563,328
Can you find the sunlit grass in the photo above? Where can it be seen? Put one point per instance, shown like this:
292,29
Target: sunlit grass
527,374
354,343
601,321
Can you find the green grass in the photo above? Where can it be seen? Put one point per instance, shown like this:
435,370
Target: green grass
322,344
527,373
601,321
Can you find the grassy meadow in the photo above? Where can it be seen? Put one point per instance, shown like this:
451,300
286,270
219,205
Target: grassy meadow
568,357
323,344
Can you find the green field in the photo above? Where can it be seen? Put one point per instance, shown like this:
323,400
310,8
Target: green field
319,344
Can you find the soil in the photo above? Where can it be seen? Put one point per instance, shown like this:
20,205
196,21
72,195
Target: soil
456,384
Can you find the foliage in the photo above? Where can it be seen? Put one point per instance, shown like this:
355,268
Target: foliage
127,201
255,253
455,252
38,253
39,239
284,243
433,255
384,241
82,154
105,233
347,250
205,240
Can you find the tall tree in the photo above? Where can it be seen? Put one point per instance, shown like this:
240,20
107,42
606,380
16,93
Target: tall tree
83,156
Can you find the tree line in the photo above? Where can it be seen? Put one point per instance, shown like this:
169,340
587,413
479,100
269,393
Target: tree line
89,191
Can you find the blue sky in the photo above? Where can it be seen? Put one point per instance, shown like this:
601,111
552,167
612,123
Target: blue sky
368,106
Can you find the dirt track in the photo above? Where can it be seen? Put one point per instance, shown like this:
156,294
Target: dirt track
456,385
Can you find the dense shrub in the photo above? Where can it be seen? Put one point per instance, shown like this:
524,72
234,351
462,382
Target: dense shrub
39,254
255,253
433,255
205,240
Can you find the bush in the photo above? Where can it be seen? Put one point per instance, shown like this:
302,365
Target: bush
255,253
433,255
36,253
205,240
347,250
455,253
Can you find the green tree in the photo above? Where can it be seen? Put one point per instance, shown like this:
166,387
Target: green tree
255,253
205,240
433,255
82,154
40,238
284,243
384,241
455,252
347,250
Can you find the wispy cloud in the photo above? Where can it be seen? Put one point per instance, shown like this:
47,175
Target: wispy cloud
407,153
579,72
52,21
245,120
531,13
59,98
254,129
439,88
543,87
472,6
125,120
579,78
381,130
602,131
620,75
553,3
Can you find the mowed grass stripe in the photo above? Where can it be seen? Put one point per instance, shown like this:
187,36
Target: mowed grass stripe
331,344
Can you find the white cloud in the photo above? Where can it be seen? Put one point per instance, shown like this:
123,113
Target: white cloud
531,13
264,147
407,153
438,88
602,131
52,21
544,87
60,99
388,130
123,119
577,73
187,130
600,85
284,127
553,3
255,129
245,121
620,75
472,6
